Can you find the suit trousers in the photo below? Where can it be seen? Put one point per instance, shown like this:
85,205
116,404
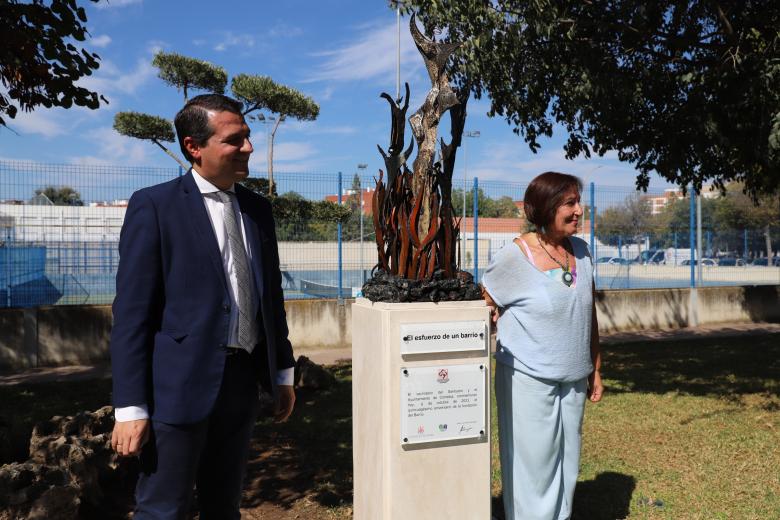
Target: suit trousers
210,455
539,434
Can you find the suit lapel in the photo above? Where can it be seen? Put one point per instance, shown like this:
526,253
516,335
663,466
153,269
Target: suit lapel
254,237
199,217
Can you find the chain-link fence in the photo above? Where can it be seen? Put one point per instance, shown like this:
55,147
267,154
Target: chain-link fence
60,225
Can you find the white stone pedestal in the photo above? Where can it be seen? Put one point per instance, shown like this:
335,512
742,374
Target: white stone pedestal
397,478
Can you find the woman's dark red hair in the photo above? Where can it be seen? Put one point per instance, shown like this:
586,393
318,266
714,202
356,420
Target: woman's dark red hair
545,194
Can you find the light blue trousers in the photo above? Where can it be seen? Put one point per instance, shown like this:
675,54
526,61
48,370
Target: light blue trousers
539,430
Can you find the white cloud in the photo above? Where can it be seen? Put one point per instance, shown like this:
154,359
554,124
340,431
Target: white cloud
282,30
230,39
513,161
108,4
110,81
113,148
155,46
100,41
315,128
287,151
288,156
330,130
326,94
47,123
371,55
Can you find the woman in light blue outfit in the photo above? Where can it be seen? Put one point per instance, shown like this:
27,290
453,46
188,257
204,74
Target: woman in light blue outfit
547,359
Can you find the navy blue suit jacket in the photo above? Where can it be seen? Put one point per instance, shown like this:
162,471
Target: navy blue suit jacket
172,304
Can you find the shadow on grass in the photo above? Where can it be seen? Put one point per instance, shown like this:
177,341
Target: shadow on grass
309,456
606,497
723,366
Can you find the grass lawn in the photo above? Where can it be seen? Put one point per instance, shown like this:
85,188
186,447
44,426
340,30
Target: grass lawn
687,430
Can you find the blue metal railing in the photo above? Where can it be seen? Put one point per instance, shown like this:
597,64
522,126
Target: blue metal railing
62,254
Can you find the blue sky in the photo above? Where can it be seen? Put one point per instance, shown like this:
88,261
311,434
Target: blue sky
341,53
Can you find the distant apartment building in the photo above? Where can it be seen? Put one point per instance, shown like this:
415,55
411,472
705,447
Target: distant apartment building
350,195
659,202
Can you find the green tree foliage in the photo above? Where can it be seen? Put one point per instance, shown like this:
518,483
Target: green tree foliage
735,211
502,207
256,92
187,73
184,73
61,195
40,61
143,126
631,220
727,220
261,93
147,127
684,89
300,219
259,185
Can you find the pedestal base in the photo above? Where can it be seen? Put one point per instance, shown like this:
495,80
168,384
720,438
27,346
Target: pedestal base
403,479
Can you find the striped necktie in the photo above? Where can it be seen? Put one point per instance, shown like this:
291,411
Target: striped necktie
246,315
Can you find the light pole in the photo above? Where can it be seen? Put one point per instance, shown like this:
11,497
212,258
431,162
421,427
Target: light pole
470,133
361,167
398,56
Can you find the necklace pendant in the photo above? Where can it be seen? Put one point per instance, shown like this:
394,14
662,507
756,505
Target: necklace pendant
567,278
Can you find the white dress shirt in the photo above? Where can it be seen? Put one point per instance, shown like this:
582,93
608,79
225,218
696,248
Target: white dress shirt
215,208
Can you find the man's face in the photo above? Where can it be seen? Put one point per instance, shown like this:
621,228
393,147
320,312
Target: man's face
224,158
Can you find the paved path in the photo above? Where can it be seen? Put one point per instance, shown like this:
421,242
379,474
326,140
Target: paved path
331,356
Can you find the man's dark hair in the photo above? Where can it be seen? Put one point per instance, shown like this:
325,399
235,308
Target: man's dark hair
193,119
545,194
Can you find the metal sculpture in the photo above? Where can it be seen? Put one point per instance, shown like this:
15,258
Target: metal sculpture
416,230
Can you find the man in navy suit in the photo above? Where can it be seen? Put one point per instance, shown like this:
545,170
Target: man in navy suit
199,322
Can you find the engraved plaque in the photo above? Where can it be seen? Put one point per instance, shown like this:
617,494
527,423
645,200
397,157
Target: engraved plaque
443,403
443,336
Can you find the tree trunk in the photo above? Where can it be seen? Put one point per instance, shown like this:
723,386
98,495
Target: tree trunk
768,239
172,155
425,122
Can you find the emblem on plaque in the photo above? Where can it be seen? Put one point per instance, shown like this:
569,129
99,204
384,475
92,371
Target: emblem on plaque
443,375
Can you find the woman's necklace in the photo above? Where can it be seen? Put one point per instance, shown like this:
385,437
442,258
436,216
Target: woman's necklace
566,277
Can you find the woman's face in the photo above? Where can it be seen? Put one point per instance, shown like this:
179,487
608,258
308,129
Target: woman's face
567,216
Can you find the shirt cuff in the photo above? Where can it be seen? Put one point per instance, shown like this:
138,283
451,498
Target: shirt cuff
131,413
285,376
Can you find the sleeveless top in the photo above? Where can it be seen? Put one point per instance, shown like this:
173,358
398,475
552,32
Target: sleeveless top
544,329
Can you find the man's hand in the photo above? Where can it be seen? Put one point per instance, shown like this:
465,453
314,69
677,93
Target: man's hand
595,386
128,437
285,401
